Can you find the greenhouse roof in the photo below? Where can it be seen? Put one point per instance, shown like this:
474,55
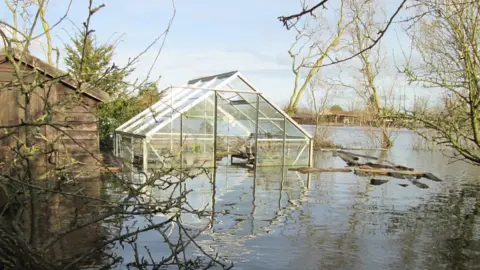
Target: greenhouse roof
232,88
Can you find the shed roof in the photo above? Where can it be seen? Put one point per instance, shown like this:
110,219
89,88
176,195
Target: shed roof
53,72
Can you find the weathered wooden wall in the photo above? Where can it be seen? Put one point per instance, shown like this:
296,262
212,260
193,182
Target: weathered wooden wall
73,126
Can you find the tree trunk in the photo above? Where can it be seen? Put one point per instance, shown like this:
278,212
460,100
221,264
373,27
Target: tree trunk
387,142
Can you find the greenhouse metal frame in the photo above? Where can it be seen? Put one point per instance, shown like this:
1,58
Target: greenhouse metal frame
208,119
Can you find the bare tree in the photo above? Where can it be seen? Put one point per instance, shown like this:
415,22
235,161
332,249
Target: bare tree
22,9
309,51
42,6
446,40
372,65
290,21
319,100
50,197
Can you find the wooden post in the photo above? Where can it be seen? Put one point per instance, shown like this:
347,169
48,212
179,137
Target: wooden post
215,111
132,148
120,139
145,153
181,140
284,140
256,132
115,144
310,154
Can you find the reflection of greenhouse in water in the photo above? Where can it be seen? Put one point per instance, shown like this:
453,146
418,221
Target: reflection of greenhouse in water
244,204
209,119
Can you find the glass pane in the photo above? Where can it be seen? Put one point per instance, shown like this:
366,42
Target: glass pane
236,125
198,135
270,129
270,152
198,151
171,129
163,151
202,109
297,153
292,131
235,115
125,151
238,84
267,110
217,82
159,121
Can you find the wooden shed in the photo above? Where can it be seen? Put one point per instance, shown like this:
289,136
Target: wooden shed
62,117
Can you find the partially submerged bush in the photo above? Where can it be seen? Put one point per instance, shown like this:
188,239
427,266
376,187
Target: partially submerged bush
322,139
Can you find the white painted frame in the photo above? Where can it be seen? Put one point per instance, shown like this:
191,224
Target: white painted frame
172,108
198,100
274,106
149,109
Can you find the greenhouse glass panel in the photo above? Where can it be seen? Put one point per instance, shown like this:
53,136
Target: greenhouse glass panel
210,118
198,134
238,84
237,121
125,148
270,152
293,132
267,110
297,153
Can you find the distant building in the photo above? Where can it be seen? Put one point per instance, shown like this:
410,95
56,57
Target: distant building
326,117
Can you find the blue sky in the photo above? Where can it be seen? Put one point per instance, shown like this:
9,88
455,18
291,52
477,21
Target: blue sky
207,37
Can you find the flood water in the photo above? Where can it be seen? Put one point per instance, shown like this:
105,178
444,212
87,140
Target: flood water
279,219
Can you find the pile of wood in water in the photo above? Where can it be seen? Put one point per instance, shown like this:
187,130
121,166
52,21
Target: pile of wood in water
382,168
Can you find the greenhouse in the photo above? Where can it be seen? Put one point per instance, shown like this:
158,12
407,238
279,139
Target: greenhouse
220,119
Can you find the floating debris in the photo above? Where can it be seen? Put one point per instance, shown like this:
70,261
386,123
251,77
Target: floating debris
378,182
392,170
318,170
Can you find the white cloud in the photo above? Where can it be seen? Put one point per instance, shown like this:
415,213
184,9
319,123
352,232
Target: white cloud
267,70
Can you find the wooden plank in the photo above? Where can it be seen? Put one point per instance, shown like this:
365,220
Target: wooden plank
74,117
400,175
357,155
8,76
351,161
86,143
82,158
67,93
25,75
318,170
432,177
393,167
418,183
70,108
82,126
389,172
377,182
80,134
5,65
410,175
78,150
110,169
5,109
